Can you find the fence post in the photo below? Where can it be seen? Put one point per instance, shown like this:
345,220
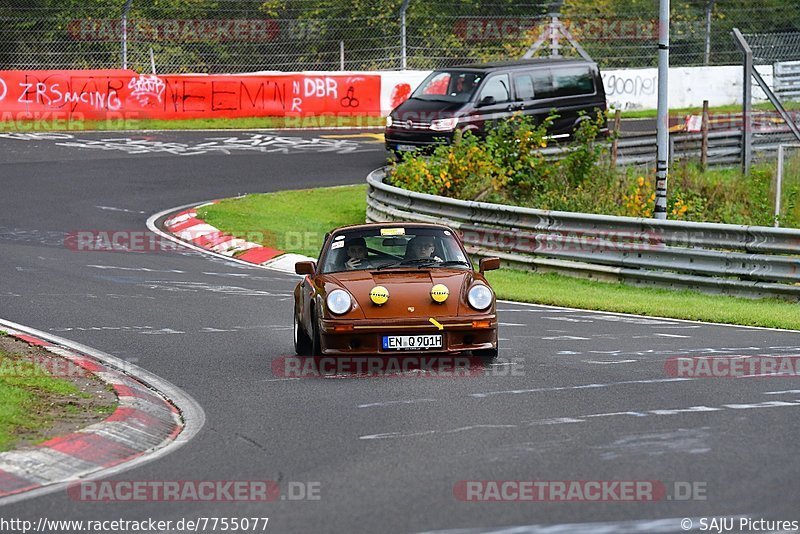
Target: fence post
341,55
747,101
707,55
152,61
403,47
555,35
125,10
615,142
704,142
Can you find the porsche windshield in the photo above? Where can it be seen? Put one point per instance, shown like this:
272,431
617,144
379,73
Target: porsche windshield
396,247
449,86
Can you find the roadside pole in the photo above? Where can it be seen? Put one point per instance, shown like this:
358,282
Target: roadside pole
125,11
403,44
662,165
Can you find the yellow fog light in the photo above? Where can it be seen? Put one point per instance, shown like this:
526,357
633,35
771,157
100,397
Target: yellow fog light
439,293
379,295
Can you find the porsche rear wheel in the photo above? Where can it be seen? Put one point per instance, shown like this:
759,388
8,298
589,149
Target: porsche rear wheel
302,343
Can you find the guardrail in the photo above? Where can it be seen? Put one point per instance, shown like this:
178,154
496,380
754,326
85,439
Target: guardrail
724,146
750,261
787,79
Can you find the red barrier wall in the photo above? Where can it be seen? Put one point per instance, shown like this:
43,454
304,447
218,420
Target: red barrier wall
98,94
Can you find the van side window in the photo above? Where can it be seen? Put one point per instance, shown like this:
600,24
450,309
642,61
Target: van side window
570,81
523,84
497,87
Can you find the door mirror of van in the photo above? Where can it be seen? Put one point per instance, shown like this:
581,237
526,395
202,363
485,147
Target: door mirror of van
487,101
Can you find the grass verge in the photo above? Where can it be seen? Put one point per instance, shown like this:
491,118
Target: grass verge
323,121
294,221
733,108
35,405
243,123
301,218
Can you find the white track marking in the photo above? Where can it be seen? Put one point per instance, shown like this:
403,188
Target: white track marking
486,394
612,362
392,403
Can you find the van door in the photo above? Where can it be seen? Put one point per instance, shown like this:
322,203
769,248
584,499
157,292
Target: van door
569,90
525,93
494,102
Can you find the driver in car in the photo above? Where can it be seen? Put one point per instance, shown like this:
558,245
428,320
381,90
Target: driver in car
421,247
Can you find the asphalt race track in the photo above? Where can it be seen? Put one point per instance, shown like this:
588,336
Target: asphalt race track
589,398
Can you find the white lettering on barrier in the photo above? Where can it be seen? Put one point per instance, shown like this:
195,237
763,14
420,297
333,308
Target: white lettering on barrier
321,87
146,88
53,96
3,89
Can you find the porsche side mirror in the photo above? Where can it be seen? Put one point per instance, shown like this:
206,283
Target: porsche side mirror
489,264
306,267
487,101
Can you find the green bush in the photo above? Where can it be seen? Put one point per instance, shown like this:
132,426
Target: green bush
509,167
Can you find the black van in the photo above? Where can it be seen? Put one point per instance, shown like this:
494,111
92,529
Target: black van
467,97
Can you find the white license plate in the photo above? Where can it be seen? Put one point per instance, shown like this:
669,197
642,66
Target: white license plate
430,341
406,148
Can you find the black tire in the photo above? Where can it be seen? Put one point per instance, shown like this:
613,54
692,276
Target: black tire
302,343
486,354
489,355
316,345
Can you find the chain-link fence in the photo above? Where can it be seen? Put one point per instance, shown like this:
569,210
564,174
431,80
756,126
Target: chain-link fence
775,46
248,35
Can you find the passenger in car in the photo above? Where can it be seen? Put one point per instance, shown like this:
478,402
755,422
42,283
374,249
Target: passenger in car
356,249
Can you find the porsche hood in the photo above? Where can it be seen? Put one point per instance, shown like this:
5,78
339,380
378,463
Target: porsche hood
409,292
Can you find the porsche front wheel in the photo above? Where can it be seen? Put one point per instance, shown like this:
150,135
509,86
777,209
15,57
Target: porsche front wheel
302,343
316,346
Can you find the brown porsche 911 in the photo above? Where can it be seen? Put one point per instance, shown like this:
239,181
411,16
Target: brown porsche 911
394,287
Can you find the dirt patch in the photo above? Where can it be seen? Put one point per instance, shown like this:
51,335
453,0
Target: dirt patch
52,412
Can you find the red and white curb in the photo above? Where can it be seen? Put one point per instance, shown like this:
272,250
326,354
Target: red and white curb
186,227
151,419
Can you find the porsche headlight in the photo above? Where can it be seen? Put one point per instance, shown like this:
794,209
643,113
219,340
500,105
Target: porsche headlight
339,301
480,297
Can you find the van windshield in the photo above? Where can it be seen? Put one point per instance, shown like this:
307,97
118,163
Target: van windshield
449,86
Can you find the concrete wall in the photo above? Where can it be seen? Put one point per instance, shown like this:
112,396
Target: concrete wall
628,89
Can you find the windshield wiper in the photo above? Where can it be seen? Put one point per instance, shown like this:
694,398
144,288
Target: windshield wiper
427,99
425,262
416,261
454,262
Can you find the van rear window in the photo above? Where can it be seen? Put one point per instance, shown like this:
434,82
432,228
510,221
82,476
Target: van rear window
555,83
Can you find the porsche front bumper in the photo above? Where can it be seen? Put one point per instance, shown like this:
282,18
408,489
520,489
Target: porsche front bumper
473,332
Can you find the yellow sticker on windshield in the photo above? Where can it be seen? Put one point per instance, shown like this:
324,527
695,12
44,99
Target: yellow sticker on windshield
393,231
